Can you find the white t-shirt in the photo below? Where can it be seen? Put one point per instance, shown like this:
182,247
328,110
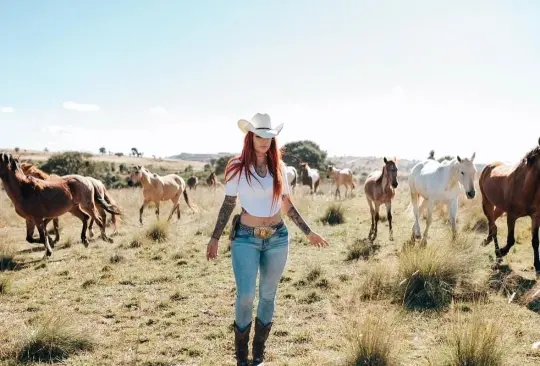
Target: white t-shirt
257,198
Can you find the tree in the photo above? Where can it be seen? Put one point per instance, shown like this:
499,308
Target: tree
17,149
207,167
307,151
134,151
70,162
102,150
213,162
221,164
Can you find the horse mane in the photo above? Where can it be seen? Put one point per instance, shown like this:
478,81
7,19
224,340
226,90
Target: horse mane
531,171
32,170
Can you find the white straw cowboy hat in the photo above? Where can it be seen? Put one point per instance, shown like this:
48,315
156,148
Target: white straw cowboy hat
260,125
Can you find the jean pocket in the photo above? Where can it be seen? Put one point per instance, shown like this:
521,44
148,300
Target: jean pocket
282,232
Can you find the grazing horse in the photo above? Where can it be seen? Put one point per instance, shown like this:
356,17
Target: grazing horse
158,188
310,177
440,182
212,180
192,182
292,177
101,193
39,200
341,177
380,187
514,190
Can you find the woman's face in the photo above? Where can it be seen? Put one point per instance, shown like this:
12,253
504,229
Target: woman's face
261,144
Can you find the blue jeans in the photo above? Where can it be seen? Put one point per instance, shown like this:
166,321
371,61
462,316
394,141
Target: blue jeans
250,254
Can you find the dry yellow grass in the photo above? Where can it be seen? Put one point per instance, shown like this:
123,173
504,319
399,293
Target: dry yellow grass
146,302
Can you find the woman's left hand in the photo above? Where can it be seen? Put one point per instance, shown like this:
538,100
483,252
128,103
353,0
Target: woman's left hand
316,240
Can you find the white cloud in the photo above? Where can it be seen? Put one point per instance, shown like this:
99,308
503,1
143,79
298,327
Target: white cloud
7,110
158,110
81,107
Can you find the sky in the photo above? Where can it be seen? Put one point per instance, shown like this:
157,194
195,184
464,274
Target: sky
360,78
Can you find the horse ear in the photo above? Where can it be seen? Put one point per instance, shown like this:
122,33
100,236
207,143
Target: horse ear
385,161
539,141
458,158
473,156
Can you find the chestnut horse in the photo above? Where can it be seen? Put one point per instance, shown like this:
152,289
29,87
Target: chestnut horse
39,200
158,188
514,190
212,180
100,189
380,187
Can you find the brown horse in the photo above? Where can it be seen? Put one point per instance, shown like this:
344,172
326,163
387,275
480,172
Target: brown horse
514,190
341,177
212,180
39,200
100,189
158,188
380,187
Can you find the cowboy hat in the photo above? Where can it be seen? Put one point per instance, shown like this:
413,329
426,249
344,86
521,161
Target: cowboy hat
260,125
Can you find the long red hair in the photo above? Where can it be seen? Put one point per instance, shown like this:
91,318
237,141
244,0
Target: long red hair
248,158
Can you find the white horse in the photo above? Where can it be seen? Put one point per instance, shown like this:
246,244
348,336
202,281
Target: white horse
440,182
292,177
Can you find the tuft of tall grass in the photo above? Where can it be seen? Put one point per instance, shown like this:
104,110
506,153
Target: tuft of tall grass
52,339
158,231
429,275
370,342
334,215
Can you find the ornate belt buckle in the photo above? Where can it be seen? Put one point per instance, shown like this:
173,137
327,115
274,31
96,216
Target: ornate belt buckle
264,232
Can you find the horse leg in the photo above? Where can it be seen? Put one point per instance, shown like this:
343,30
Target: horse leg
377,205
91,229
453,210
90,209
372,212
157,209
510,240
416,211
489,210
30,226
429,219
389,217
145,203
76,211
175,206
535,242
42,233
56,230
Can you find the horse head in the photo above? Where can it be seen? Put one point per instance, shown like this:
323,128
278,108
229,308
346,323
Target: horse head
135,176
330,171
467,172
391,171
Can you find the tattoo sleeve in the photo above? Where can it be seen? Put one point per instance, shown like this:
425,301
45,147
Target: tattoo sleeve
223,216
294,215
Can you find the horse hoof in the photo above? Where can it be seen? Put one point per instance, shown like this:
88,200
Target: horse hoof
85,243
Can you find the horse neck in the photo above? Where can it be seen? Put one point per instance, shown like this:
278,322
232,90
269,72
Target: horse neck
145,177
383,179
12,184
451,173
531,184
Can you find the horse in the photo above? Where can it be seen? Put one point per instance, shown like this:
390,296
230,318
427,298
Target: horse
212,180
514,190
158,188
292,177
341,177
192,182
102,193
41,200
440,182
310,177
380,187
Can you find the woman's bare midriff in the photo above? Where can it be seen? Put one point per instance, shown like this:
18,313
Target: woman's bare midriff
254,221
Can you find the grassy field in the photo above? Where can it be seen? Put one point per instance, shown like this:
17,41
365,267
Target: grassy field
151,298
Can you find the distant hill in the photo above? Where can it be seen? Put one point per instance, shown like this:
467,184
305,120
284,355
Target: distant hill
205,158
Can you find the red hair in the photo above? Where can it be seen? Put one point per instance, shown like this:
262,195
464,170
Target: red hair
248,158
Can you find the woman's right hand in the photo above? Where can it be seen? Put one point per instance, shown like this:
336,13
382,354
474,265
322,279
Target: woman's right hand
212,249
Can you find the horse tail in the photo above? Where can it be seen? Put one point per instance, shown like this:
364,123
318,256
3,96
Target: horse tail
188,201
112,203
110,208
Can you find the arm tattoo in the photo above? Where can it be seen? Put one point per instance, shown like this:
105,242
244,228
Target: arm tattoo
298,220
223,216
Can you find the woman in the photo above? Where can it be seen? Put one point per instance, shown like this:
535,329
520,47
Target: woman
260,240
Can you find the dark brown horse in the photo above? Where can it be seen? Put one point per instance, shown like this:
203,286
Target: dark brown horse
380,188
39,200
310,177
514,190
212,180
101,194
192,182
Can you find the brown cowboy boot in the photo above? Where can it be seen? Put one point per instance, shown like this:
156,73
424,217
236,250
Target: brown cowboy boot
241,341
259,339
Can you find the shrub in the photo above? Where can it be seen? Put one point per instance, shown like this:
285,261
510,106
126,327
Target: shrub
334,215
